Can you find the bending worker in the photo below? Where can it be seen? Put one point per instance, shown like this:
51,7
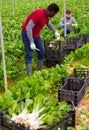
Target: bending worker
31,34
70,22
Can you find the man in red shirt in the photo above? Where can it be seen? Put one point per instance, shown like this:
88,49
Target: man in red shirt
31,34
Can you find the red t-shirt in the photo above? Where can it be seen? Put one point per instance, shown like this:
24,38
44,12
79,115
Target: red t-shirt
40,18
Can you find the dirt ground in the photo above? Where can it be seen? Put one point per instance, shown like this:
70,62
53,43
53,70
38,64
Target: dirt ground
1,128
82,113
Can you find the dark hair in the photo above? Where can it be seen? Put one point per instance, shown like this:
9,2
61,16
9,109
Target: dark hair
53,7
68,12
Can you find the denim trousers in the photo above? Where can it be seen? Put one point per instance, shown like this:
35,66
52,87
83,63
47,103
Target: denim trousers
28,50
67,31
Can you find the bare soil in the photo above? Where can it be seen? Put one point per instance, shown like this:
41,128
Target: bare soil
83,106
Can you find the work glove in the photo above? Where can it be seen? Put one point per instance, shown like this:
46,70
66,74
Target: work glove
57,35
74,24
33,46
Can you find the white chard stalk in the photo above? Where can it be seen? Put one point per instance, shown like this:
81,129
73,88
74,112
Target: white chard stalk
32,120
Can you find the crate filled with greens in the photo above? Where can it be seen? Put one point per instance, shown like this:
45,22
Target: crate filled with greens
63,49
82,73
74,43
38,114
73,89
87,38
79,42
83,38
51,53
55,52
71,46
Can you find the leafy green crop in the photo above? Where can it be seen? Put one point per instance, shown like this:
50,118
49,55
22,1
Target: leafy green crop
52,110
45,82
6,99
70,128
14,48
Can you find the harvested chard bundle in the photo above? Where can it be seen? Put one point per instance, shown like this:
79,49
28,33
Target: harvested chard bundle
39,112
32,121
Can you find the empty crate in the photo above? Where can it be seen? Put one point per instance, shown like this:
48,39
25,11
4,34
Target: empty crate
73,89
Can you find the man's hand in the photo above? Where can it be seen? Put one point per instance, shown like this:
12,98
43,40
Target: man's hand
33,46
57,35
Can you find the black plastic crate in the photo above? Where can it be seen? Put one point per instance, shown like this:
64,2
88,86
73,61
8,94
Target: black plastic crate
73,89
79,42
70,43
55,52
64,79
74,43
62,53
6,123
51,53
79,72
68,120
82,73
51,48
63,44
83,39
52,61
87,38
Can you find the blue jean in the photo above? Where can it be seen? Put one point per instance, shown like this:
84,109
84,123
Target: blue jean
67,31
28,50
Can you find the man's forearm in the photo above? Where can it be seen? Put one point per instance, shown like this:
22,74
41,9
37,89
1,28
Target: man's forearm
61,25
29,30
51,27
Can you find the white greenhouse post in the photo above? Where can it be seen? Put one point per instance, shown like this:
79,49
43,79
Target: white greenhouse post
3,54
65,17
